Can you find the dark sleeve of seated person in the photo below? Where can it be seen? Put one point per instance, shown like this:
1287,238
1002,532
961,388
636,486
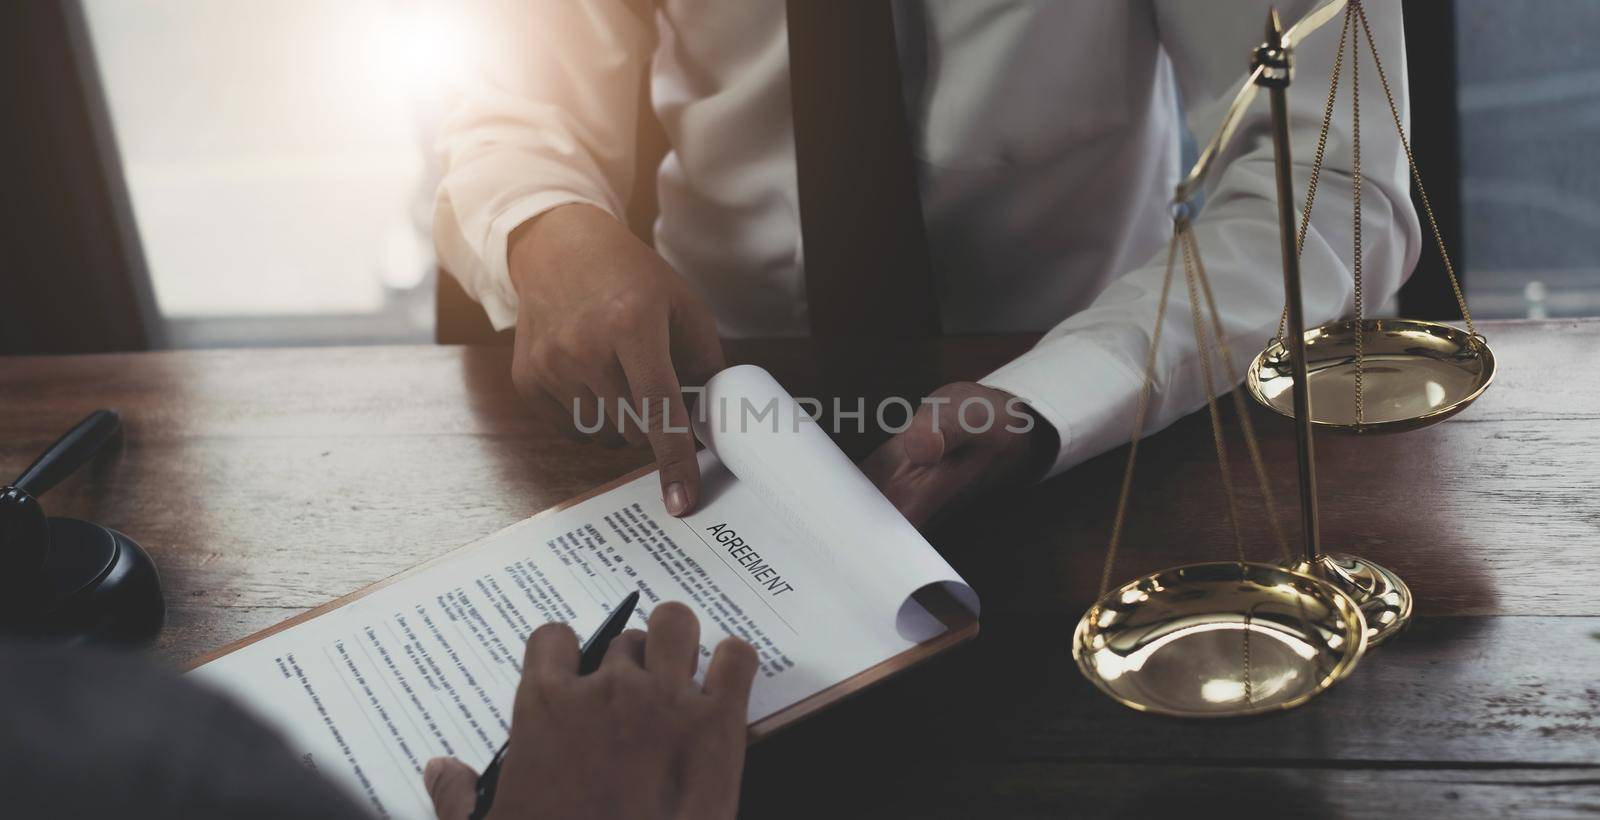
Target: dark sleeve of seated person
97,734
94,733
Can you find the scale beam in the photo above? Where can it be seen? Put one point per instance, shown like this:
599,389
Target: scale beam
1196,177
1272,71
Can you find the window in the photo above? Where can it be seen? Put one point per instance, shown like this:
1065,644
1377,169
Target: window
1529,101
278,157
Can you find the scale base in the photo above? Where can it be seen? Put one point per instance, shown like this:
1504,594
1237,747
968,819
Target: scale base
1383,598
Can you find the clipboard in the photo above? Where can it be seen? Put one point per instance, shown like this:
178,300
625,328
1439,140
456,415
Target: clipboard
961,625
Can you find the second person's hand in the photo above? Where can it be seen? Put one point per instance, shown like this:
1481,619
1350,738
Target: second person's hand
942,460
639,739
603,321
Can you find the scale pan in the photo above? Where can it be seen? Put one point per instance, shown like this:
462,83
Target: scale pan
1219,640
1416,374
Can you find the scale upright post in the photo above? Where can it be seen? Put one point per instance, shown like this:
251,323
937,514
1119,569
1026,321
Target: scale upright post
1383,598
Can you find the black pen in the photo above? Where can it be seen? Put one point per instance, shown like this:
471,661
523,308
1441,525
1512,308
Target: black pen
589,658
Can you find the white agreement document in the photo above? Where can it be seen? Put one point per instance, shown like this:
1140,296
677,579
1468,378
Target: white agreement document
791,549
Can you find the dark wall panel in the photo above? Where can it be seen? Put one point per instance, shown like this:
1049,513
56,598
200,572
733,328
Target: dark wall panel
72,277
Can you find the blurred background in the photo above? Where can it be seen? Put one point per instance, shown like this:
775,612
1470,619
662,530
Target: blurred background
232,172
1529,105
278,160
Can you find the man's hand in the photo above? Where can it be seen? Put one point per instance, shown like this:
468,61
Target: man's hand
602,319
636,739
965,440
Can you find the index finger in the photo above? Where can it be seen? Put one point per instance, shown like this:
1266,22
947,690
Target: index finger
647,362
552,650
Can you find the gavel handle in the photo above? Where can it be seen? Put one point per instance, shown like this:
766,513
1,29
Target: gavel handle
70,452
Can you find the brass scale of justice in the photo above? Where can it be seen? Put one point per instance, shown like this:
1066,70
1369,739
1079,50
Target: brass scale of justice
1240,637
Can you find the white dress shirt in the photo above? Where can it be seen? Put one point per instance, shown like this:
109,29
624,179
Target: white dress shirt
1047,135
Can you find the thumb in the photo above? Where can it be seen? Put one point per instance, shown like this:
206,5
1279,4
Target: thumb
936,429
453,785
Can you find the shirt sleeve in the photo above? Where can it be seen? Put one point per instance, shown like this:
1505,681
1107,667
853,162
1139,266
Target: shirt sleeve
548,118
1085,374
92,732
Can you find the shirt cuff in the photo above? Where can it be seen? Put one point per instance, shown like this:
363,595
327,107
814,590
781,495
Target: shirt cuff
1088,394
497,294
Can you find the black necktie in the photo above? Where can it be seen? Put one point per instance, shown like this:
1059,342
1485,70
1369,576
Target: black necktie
866,249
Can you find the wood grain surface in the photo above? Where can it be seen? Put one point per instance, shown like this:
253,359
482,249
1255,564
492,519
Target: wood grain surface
266,482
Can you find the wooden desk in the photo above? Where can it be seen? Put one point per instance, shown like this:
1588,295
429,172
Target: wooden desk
266,482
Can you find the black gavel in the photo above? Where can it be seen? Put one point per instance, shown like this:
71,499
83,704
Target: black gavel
71,581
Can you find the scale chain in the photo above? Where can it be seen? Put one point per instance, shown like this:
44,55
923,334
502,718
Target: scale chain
1241,408
1193,274
1199,285
1204,350
1139,416
1355,190
1355,11
1316,176
1316,162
